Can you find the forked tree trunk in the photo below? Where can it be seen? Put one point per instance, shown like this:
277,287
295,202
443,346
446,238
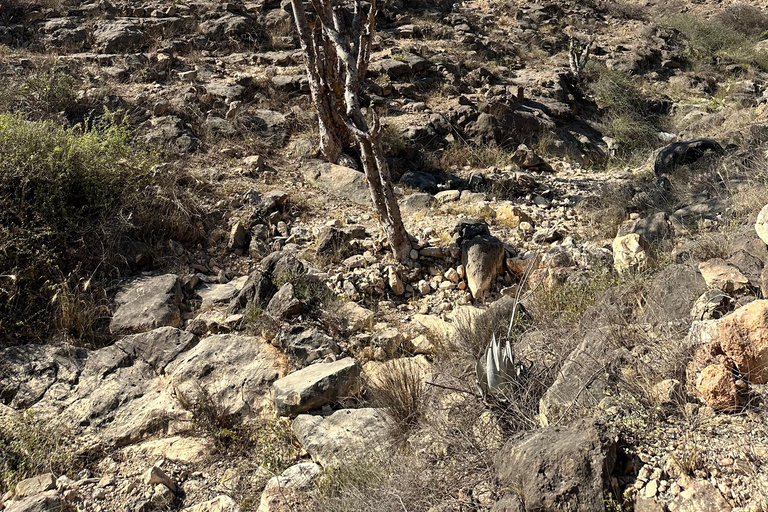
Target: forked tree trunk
336,55
322,72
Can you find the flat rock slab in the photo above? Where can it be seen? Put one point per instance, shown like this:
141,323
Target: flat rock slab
235,371
187,450
347,435
341,181
315,386
49,500
214,294
147,303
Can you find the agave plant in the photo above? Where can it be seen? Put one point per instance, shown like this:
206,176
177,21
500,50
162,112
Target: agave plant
497,369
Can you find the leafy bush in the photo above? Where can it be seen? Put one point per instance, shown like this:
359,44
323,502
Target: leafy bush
40,95
72,202
29,446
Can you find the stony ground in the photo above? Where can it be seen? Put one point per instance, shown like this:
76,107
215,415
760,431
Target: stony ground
284,361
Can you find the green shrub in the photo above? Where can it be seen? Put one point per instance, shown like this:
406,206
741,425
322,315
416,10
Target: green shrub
71,202
627,114
719,36
29,446
40,95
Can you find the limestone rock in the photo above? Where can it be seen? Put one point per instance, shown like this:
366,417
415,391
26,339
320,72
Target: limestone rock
187,450
395,281
306,345
354,318
158,347
288,491
315,386
671,294
341,181
761,224
346,435
559,468
744,338
221,503
147,303
155,475
483,259
720,274
47,501
631,253
717,386
284,304
35,485
236,371
585,378
699,496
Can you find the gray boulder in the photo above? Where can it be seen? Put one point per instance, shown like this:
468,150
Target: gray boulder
45,502
315,386
671,295
285,304
341,181
147,303
347,435
306,345
235,371
559,468
257,290
157,348
119,36
684,153
483,260
587,376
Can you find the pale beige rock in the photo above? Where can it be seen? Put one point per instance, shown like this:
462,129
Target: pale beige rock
155,475
35,485
376,373
699,496
718,273
511,215
188,450
631,253
221,503
761,224
354,318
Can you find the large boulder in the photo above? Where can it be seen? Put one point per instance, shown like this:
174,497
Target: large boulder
157,348
587,376
559,468
684,153
483,259
234,371
288,492
631,253
744,339
348,435
720,274
284,303
257,291
306,344
315,386
147,303
341,181
761,224
118,36
672,294
699,496
717,387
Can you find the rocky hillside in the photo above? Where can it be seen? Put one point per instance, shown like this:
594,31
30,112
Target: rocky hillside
199,314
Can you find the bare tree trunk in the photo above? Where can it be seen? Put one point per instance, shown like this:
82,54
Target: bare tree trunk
322,73
336,53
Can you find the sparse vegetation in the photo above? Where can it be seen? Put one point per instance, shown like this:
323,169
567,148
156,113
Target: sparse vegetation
71,201
628,116
30,446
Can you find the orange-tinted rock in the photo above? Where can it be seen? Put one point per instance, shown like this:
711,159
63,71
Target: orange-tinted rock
717,386
744,338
